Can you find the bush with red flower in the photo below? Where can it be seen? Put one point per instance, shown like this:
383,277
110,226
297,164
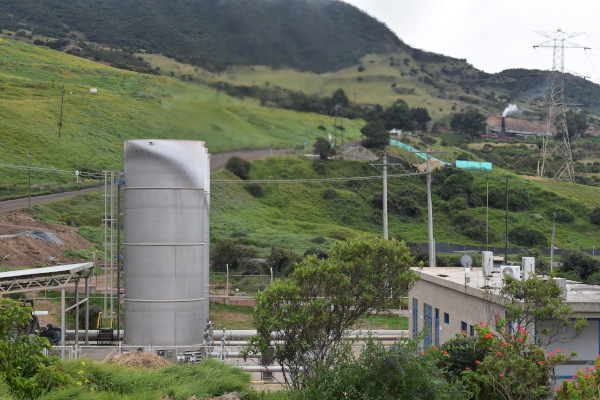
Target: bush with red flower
584,385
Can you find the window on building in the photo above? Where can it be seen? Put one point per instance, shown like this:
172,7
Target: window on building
463,326
446,318
471,330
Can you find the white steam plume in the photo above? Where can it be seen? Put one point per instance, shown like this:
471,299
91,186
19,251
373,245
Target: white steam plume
511,109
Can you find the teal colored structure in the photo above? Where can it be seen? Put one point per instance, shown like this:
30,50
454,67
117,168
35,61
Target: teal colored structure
421,154
482,166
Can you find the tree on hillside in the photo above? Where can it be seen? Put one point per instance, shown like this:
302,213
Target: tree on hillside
576,124
323,148
421,117
397,116
470,122
340,99
323,298
375,135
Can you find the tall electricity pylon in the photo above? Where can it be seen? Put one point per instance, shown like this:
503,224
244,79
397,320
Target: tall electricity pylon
556,114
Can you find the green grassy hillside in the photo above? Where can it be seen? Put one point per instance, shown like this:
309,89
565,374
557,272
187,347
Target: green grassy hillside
300,215
127,106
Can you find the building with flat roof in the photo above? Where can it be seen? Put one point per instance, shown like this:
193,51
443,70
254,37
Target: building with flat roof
448,301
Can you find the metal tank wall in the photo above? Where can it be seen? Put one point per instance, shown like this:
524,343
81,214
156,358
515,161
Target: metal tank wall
166,216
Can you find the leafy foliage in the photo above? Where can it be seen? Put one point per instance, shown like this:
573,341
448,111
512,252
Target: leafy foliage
595,216
282,261
231,253
375,135
399,371
469,122
323,148
536,306
27,371
239,167
584,385
526,236
580,263
325,297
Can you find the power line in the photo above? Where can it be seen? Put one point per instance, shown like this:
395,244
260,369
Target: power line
307,180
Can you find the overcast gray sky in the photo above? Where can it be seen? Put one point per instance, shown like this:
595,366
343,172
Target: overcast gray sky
495,35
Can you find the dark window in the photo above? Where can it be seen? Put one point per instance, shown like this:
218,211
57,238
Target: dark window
463,326
471,330
446,318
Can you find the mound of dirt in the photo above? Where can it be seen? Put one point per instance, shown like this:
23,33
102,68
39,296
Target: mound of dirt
27,252
139,359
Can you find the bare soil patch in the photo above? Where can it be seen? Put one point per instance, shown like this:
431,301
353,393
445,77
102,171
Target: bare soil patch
26,252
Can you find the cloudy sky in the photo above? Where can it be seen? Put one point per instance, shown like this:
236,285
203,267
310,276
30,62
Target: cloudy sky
495,35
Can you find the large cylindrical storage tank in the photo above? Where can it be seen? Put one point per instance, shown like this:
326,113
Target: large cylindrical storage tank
166,209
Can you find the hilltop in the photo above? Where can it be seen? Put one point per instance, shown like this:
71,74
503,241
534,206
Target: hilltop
315,35
309,46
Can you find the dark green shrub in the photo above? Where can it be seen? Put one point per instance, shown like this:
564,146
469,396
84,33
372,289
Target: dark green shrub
463,352
249,266
527,237
323,148
595,216
256,190
231,253
400,371
518,199
458,203
239,167
318,240
282,260
562,214
579,263
329,194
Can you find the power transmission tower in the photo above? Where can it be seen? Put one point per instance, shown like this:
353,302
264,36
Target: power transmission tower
556,114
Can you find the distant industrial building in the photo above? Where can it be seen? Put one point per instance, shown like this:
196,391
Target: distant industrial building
447,301
499,127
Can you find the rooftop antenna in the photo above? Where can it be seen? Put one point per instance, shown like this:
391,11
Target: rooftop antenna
556,114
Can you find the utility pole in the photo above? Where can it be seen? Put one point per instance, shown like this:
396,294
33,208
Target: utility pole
556,113
385,208
506,235
552,245
336,108
430,213
30,155
62,99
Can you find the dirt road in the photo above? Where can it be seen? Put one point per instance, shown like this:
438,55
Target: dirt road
217,162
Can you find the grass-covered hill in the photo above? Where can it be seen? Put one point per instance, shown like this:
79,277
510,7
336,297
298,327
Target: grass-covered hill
301,215
315,35
127,106
312,46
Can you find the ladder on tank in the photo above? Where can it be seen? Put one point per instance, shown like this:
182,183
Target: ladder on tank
109,318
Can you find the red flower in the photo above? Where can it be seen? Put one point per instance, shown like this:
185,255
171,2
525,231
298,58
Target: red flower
504,344
476,361
558,350
497,315
551,354
540,362
520,339
501,374
488,335
499,353
468,368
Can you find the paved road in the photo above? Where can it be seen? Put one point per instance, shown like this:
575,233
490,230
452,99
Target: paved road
217,161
